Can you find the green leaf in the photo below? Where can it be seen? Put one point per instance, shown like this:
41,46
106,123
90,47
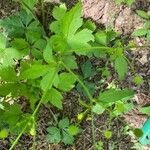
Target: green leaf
54,135
101,38
145,110
147,24
34,32
8,74
130,2
67,138
113,95
142,14
13,25
40,44
87,69
66,81
3,134
70,61
2,41
140,32
138,132
35,71
80,40
73,130
20,44
118,2
148,36
48,79
56,80
8,88
11,115
7,57
55,27
16,26
59,12
120,107
138,80
121,66
98,109
29,3
48,53
89,25
108,134
37,54
59,44
64,123
71,22
2,107
54,97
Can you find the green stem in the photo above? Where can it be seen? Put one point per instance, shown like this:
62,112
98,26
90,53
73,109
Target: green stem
89,96
55,118
33,114
136,46
93,130
111,49
18,137
88,49
78,79
131,66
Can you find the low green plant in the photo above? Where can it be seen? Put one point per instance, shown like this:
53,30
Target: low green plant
145,30
128,2
145,110
62,132
40,68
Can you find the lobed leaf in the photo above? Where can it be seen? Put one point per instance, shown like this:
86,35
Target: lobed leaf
35,71
66,81
54,97
113,95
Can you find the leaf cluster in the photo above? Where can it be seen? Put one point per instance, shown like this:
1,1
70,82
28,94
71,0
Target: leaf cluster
145,30
41,68
63,132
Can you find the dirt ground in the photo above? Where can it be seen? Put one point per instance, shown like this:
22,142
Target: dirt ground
124,20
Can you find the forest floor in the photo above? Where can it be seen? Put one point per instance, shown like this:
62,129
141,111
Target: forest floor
124,20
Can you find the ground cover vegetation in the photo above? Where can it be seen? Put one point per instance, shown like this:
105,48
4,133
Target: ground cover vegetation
39,64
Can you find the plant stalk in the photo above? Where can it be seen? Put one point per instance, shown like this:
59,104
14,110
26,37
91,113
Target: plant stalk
90,98
18,137
104,48
78,79
33,114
